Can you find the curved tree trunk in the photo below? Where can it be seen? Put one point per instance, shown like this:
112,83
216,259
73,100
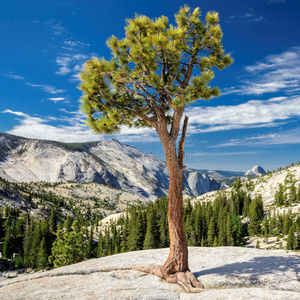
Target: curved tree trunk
178,256
176,268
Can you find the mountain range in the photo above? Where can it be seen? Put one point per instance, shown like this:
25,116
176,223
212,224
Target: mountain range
106,162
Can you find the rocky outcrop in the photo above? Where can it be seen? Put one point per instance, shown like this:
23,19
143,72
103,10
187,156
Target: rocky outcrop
255,171
107,162
226,272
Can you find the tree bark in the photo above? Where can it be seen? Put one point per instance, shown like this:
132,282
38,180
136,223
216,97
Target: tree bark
175,269
178,256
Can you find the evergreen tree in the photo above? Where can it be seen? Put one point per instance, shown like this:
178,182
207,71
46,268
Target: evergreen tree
229,233
291,239
135,238
69,248
156,71
100,245
42,256
211,234
256,215
52,221
36,241
68,224
279,196
150,241
9,243
27,244
215,243
287,223
89,249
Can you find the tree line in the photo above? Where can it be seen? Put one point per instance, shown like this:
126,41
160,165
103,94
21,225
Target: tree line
55,241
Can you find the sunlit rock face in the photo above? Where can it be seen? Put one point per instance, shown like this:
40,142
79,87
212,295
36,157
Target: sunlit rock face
255,171
107,162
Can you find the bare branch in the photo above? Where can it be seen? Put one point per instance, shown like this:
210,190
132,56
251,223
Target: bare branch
181,143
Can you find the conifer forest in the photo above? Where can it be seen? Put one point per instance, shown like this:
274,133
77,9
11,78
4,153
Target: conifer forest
41,242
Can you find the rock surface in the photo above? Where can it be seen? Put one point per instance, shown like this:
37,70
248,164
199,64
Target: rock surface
107,162
255,171
226,272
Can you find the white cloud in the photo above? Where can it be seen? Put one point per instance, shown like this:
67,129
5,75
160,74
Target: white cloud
252,114
275,73
75,130
47,88
282,138
17,113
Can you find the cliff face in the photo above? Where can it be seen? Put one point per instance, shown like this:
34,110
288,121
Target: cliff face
107,162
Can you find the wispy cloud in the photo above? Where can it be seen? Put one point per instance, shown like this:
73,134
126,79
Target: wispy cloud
57,99
70,63
252,114
14,76
275,73
282,138
247,18
230,153
49,89
55,26
276,1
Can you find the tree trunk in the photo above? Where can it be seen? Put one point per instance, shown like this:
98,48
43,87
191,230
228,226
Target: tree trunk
178,256
175,269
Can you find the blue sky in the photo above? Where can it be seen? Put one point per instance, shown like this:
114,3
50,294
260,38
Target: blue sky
256,120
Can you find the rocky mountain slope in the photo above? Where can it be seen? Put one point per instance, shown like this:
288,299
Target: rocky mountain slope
266,185
107,162
227,273
37,198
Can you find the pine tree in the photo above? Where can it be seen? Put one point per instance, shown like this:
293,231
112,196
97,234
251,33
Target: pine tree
36,241
287,223
256,215
27,244
100,245
42,256
52,221
69,248
134,240
9,243
215,243
156,71
68,224
211,234
89,249
150,241
291,239
229,233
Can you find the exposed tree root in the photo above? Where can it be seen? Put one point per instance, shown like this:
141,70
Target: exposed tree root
186,279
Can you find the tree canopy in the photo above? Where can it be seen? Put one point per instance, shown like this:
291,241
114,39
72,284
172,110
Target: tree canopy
155,71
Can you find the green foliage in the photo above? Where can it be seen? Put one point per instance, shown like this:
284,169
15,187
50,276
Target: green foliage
69,248
152,69
256,215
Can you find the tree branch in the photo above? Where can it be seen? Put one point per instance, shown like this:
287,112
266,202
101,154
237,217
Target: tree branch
181,143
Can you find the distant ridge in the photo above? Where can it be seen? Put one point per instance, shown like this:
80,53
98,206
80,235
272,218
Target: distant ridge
255,171
107,162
